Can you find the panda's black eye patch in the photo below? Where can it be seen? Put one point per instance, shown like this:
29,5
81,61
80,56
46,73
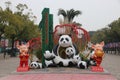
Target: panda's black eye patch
67,50
67,39
71,50
35,65
62,39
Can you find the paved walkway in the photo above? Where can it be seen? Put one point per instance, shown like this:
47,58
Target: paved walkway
58,77
7,65
8,68
111,63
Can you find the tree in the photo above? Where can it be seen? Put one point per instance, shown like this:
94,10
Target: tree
23,10
17,25
115,29
21,7
69,15
8,4
3,21
30,30
0,8
108,34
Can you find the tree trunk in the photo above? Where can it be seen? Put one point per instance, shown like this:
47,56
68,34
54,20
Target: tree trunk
13,53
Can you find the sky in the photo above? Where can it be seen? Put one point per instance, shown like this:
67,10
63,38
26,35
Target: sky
96,14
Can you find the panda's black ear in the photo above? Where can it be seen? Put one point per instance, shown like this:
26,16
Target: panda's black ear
60,34
70,35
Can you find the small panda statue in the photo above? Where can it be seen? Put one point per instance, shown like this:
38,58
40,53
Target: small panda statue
35,65
82,65
70,52
76,58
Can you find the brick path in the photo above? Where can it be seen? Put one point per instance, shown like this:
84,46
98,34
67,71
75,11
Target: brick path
58,77
9,65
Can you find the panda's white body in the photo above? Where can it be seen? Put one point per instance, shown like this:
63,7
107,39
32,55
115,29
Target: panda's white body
50,63
67,62
62,62
56,60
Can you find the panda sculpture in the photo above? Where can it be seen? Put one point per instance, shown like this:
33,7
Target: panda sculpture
56,60
70,52
36,65
64,42
62,54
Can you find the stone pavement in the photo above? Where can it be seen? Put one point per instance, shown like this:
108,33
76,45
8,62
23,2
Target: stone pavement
111,63
7,65
8,68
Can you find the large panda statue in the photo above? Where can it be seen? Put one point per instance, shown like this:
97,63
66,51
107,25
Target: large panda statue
64,42
64,53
